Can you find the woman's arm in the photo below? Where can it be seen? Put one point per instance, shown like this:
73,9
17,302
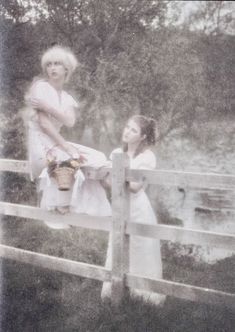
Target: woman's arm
67,117
49,129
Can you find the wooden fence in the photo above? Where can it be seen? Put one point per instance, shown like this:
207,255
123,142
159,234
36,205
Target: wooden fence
121,229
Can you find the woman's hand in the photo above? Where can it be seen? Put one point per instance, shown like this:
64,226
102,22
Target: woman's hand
71,150
39,104
51,155
65,117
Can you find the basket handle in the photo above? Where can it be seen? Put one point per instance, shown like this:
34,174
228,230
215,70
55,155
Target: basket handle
52,158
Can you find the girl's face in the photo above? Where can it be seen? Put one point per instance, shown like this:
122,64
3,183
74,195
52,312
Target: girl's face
132,133
55,70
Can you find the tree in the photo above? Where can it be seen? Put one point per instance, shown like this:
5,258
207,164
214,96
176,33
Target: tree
213,17
132,59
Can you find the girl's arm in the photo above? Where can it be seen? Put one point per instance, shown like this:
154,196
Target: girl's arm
67,117
135,187
49,129
146,161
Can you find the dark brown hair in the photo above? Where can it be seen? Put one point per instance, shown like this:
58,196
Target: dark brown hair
148,129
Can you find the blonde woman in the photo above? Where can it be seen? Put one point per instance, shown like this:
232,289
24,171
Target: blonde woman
50,107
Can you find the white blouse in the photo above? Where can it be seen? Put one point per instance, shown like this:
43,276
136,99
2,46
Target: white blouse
41,89
144,160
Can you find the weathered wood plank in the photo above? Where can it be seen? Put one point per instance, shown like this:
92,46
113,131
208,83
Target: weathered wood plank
35,213
182,235
170,288
120,240
164,232
162,177
22,166
183,179
11,165
183,291
55,263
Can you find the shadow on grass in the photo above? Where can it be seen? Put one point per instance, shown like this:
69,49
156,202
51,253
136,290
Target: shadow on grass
40,300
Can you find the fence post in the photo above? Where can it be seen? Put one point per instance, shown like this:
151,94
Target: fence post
120,240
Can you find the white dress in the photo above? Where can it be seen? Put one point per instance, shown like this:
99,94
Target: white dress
145,255
86,196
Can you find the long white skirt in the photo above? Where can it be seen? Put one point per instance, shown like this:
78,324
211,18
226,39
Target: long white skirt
144,255
86,196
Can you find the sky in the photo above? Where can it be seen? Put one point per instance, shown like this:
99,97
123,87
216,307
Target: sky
227,14
186,9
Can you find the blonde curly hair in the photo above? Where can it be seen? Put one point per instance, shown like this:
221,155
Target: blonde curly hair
62,54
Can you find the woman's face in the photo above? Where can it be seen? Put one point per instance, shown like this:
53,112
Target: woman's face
132,133
56,70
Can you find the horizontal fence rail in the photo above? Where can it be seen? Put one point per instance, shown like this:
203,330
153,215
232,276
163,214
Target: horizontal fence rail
95,272
55,263
35,213
11,165
23,166
183,291
163,232
182,235
125,229
182,179
160,177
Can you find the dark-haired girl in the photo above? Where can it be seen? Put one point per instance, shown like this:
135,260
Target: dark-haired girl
138,136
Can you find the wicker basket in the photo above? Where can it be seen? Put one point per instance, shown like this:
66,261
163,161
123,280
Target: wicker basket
64,177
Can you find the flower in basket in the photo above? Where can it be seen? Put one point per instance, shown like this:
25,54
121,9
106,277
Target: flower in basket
63,171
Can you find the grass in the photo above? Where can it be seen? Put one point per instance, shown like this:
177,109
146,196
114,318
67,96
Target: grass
40,305
34,299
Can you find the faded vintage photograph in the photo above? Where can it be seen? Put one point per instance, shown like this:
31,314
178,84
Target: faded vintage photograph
117,166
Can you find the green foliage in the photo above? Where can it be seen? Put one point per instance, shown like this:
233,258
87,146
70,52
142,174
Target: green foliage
131,60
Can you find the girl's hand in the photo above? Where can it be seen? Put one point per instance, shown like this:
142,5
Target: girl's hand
39,104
